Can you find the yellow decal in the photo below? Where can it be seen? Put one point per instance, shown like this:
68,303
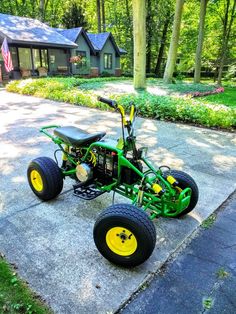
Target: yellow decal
120,144
122,111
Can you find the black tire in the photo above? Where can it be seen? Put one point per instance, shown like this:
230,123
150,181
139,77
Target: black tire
137,227
50,178
185,180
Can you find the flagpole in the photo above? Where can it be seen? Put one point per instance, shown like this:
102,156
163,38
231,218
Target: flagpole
1,84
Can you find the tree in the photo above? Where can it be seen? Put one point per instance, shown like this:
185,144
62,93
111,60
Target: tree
103,16
74,17
198,56
139,29
172,54
163,39
149,35
99,16
227,20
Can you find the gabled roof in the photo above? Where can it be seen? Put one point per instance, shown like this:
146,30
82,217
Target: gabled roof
122,51
25,30
99,40
71,34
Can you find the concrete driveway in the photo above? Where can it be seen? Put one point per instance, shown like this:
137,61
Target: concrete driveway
52,244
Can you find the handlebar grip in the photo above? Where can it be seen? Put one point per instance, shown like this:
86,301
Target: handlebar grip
109,102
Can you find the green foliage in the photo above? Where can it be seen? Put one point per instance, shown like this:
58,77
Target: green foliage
171,108
228,98
74,16
207,223
222,273
15,296
207,303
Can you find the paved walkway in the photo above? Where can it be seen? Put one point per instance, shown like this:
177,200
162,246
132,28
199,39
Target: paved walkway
51,243
202,279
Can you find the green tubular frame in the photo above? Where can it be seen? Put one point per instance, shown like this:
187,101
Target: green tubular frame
165,205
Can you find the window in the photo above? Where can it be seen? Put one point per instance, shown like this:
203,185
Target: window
36,58
25,58
108,61
83,59
13,51
44,58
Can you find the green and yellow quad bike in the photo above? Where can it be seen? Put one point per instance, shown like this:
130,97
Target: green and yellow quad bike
123,233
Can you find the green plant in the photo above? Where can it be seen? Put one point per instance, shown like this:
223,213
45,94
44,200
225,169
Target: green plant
207,223
222,273
15,295
207,303
170,107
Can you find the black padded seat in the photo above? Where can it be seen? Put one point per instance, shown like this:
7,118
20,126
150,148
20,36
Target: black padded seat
77,137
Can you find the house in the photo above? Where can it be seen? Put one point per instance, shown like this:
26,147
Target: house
99,50
35,45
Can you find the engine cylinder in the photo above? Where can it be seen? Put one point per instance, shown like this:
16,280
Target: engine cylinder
84,172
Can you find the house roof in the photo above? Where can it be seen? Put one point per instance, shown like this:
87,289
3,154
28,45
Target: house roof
71,34
122,51
98,40
25,30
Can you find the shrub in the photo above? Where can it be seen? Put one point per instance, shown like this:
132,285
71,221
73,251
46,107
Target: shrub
151,106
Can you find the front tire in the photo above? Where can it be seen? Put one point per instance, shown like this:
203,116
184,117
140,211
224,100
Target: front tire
124,235
45,178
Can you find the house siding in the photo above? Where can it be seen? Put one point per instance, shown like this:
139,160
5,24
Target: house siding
117,62
61,59
108,48
82,46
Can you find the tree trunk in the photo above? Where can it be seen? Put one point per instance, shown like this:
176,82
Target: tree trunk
41,10
103,16
149,36
162,47
99,16
172,54
198,56
225,38
139,26
130,32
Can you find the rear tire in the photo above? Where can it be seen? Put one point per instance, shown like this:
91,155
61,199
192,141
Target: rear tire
124,235
186,181
45,178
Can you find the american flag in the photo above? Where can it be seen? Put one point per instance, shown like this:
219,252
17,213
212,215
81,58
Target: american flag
6,56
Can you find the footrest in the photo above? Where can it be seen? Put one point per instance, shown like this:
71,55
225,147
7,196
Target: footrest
87,192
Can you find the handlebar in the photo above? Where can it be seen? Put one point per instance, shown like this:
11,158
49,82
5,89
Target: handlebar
113,104
109,102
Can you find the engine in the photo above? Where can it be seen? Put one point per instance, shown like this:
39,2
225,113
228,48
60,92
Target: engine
102,165
84,172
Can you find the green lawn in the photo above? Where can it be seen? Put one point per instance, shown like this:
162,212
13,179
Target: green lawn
15,296
227,98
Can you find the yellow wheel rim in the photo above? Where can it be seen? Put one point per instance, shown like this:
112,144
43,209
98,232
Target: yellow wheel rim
121,241
36,180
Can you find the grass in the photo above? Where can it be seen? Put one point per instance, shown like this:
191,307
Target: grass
228,98
207,303
222,273
15,296
171,107
207,223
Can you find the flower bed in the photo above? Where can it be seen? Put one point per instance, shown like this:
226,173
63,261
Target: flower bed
218,90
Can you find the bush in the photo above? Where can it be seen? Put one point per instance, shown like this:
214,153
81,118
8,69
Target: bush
105,74
151,106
